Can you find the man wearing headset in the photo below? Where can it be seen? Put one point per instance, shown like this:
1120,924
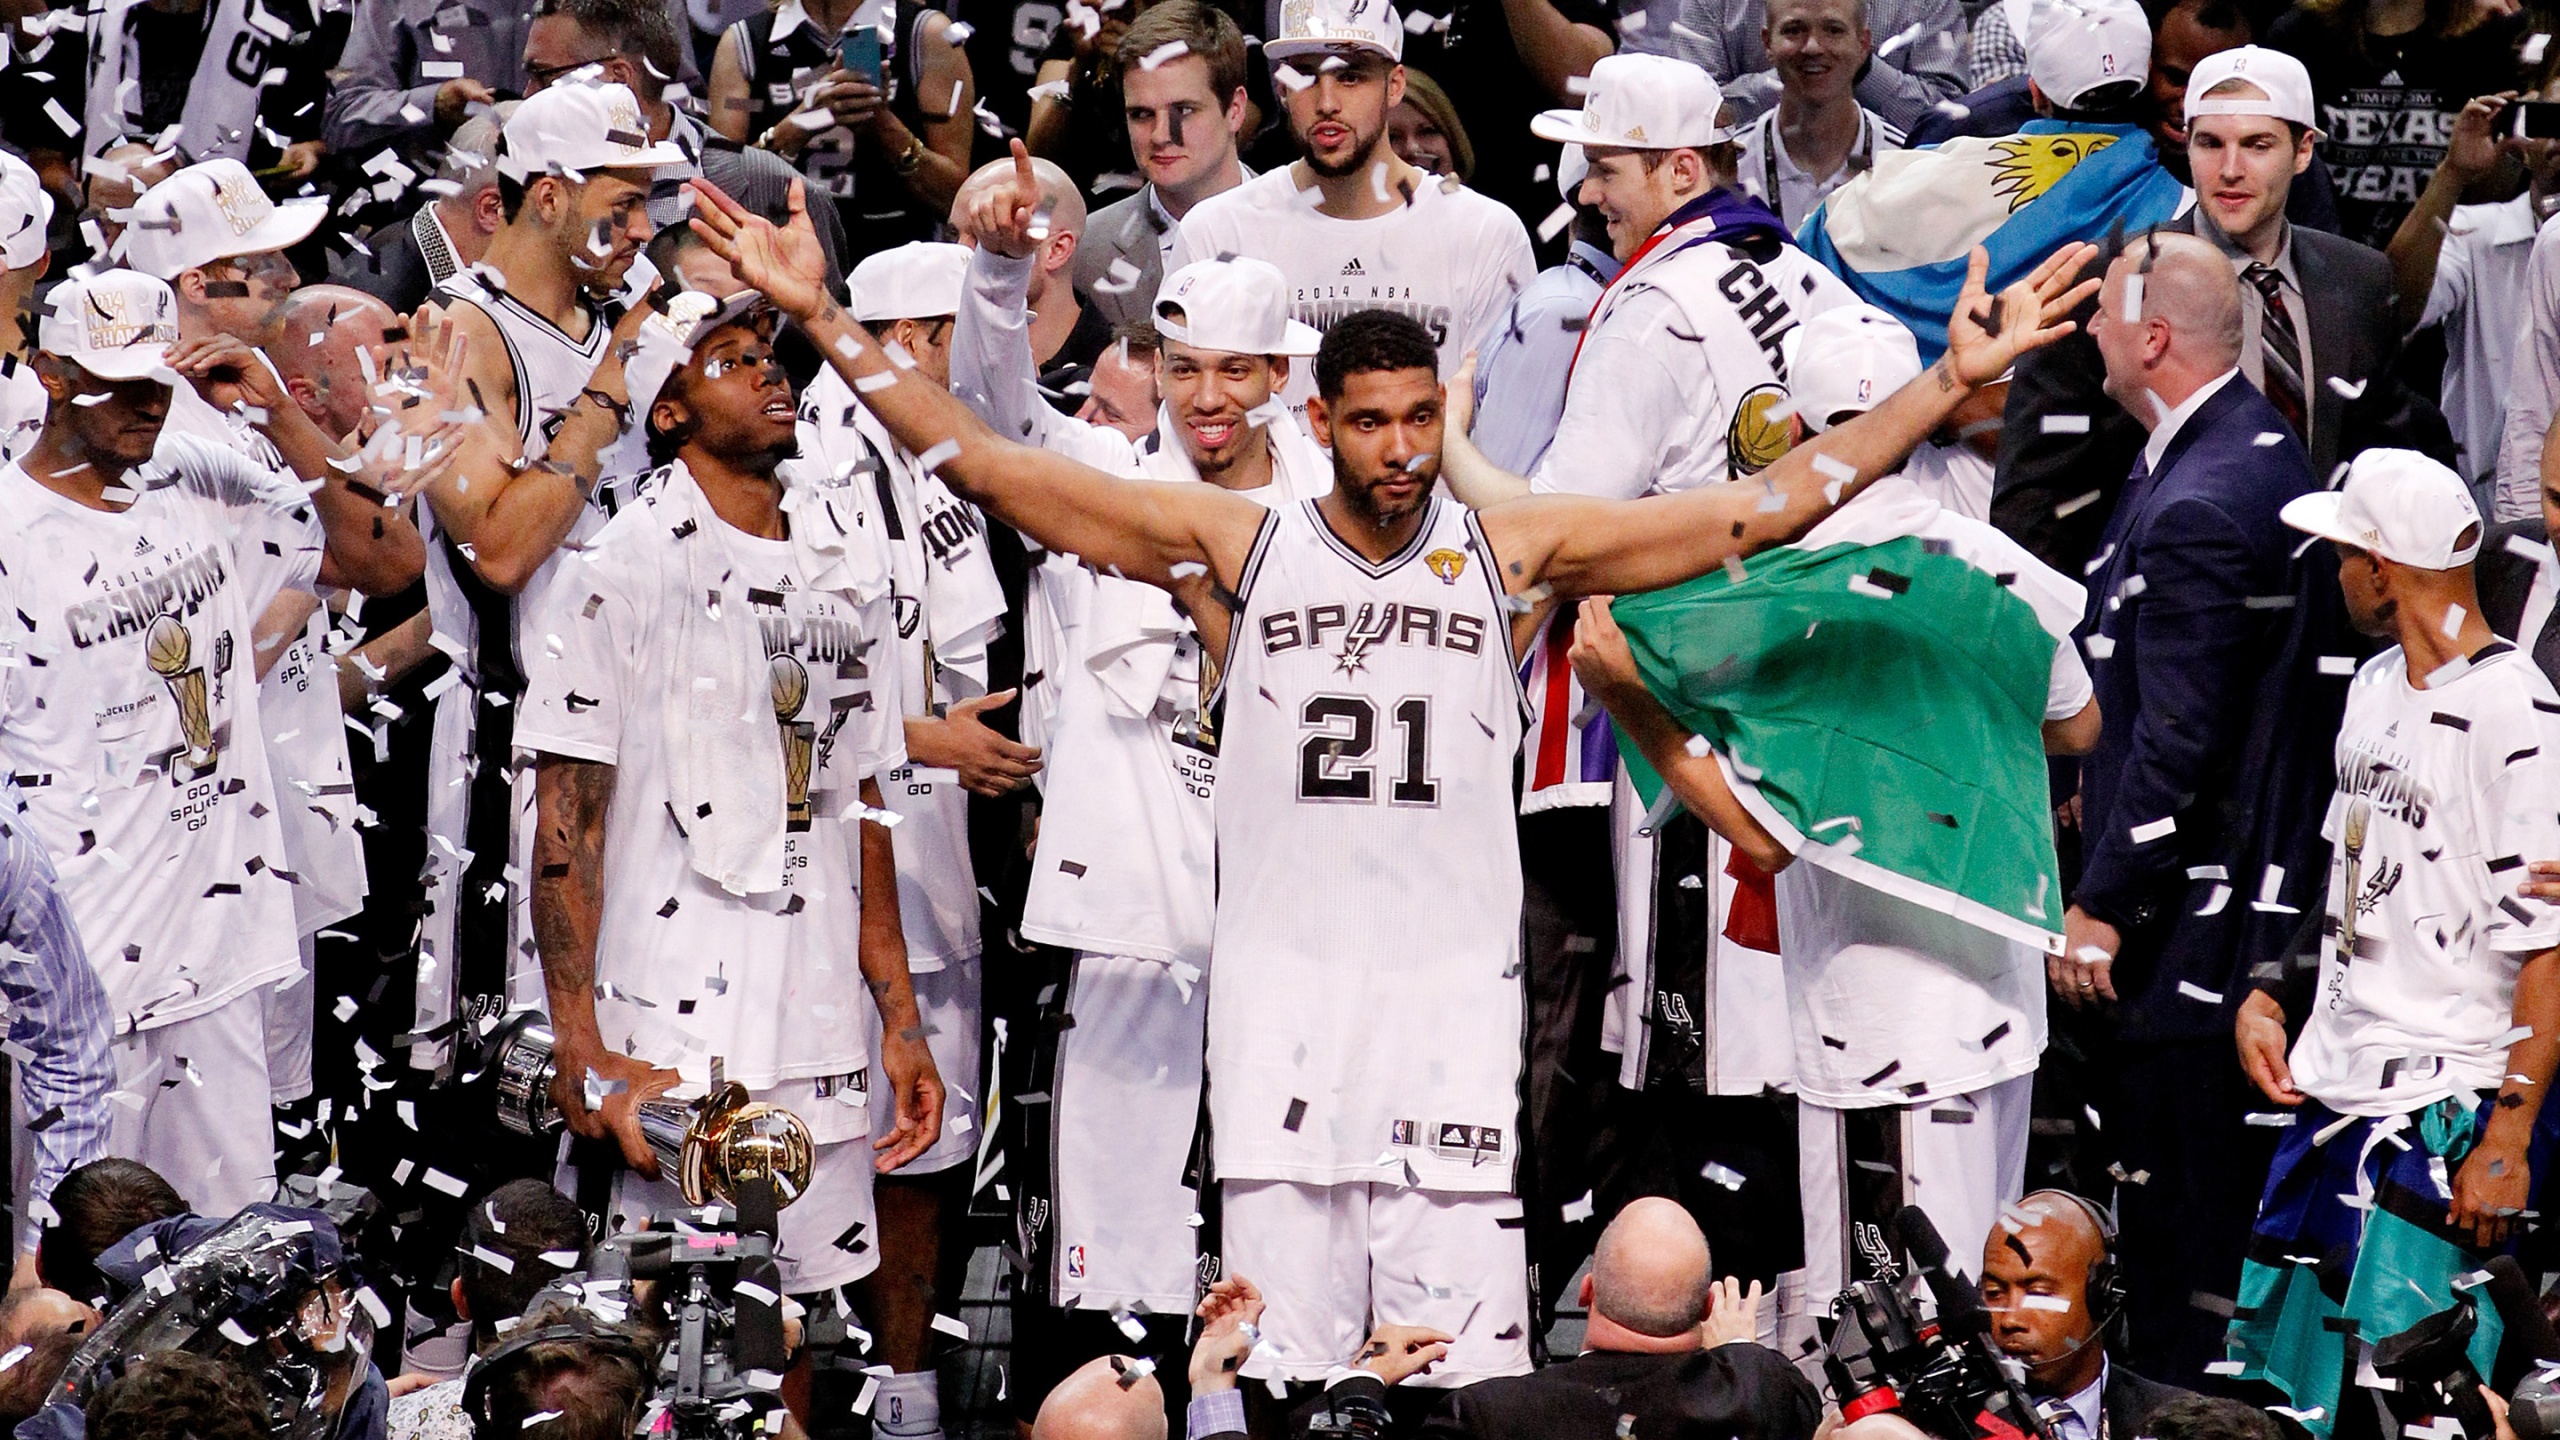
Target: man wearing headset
2049,1281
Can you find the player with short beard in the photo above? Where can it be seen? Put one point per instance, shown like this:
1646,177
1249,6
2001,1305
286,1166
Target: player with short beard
1352,226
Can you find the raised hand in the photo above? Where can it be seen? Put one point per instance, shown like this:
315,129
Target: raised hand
783,262
1984,337
1003,217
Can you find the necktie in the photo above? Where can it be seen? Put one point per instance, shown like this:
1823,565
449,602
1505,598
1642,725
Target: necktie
2279,349
2546,646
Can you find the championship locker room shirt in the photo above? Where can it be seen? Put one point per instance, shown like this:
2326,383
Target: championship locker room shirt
1364,979
2443,796
129,713
1450,258
769,983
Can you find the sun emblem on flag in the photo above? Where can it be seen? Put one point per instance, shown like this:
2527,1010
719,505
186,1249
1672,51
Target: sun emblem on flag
2023,167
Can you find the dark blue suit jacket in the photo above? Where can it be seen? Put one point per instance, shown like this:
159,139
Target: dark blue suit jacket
2215,716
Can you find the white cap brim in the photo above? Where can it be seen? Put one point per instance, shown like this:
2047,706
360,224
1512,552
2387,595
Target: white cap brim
1297,340
291,223
133,362
1566,127
1291,49
2317,514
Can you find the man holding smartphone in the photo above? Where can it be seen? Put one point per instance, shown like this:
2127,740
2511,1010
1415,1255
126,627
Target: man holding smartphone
877,116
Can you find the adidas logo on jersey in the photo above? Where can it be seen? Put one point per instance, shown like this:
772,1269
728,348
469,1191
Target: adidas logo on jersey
1352,266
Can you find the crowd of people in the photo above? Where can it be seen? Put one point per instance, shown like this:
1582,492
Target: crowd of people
1420,711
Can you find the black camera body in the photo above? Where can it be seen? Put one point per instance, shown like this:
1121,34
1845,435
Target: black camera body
1941,1373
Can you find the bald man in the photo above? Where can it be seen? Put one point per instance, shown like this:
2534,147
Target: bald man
1065,331
1667,1343
2045,1273
320,335
2208,781
1093,1404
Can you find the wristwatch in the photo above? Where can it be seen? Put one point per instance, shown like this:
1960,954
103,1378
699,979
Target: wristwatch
907,160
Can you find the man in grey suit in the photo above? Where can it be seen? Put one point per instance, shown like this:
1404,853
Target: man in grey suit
2520,578
2317,339
1185,107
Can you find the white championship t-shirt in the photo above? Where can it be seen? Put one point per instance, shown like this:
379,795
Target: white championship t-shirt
2444,794
1893,1003
129,715
1451,259
770,983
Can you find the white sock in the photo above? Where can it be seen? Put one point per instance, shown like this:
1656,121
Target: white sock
909,1407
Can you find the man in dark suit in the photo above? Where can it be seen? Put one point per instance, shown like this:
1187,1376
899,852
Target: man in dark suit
404,260
2056,1246
2200,806
2323,305
1655,1349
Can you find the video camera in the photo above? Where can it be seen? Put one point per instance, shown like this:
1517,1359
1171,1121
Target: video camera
709,1278
1940,1372
2428,1376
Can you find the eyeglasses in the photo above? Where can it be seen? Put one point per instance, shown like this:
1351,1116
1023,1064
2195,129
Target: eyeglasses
543,75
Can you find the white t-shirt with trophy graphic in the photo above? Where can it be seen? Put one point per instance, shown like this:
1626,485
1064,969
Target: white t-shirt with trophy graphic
129,715
769,983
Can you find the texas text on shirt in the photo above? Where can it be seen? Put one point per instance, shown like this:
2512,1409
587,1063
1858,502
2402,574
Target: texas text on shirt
1449,258
2450,790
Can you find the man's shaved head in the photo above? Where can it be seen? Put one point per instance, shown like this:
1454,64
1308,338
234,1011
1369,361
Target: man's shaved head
319,336
2189,283
1650,1272
1092,1404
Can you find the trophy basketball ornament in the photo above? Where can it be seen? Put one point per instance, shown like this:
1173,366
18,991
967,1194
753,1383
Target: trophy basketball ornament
710,1147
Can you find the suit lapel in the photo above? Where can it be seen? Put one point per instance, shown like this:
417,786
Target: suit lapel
2331,341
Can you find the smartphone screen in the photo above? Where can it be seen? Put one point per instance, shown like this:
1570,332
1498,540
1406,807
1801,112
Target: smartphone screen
2534,119
859,52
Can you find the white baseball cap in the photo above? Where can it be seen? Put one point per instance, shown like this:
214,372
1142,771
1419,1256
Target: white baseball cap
26,208
919,281
115,324
1309,26
1844,361
1640,102
2078,47
2284,85
212,211
1572,168
1239,306
2397,504
574,125
666,340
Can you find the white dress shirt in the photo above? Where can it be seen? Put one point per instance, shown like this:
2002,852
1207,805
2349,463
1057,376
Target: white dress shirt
2167,430
2477,295
2533,383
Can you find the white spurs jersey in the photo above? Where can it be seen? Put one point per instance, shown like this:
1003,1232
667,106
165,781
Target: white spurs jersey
474,724
1365,1001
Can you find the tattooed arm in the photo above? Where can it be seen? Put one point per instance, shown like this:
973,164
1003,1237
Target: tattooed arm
570,800
914,1085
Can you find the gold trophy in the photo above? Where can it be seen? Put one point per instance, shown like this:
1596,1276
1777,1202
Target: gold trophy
710,1147
799,740
2359,817
167,647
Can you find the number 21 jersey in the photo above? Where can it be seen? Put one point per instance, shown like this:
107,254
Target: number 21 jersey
1364,997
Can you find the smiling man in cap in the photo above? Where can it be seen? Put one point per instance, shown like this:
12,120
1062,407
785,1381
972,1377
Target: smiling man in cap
1122,877
145,562
212,233
1352,226
2434,1019
1678,380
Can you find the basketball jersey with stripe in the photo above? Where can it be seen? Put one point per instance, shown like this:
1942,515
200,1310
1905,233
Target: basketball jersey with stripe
1365,997
474,799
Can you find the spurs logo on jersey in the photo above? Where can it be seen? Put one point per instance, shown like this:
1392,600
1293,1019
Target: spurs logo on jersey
1371,712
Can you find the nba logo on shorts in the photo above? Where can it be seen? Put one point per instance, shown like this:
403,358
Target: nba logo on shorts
1075,1262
